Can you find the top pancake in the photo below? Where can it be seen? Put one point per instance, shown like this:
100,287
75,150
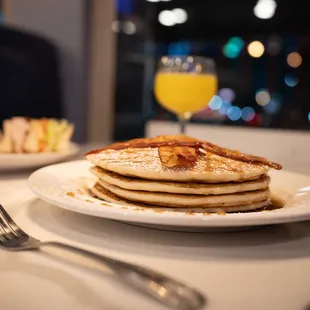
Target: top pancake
142,159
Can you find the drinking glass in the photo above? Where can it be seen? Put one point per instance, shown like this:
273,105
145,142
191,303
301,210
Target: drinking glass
185,85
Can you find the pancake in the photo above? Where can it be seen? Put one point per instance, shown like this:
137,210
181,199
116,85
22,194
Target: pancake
137,184
180,173
106,195
192,201
190,160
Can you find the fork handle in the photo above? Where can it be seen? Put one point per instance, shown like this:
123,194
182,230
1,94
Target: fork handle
166,290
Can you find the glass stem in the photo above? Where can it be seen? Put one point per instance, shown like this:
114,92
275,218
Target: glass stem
183,120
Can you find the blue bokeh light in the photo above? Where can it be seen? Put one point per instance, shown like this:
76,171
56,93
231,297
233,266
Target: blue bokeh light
224,108
234,113
273,106
233,47
181,48
291,80
309,116
215,103
124,6
248,114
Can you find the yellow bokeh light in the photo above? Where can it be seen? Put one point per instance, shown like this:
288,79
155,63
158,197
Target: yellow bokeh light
294,60
256,49
164,60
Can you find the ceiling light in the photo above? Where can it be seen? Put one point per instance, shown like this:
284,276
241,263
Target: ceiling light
180,16
265,9
167,18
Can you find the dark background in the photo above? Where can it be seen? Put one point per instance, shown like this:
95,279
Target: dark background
210,26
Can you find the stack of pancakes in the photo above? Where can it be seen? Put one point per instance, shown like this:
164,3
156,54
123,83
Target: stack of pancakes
180,172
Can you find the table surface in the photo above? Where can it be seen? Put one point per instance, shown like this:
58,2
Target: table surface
267,268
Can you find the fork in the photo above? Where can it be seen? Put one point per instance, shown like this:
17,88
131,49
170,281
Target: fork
168,291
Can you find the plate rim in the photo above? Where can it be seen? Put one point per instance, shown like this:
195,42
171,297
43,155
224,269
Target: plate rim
155,218
74,148
15,161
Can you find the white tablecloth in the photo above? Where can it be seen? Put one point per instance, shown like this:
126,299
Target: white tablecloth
267,268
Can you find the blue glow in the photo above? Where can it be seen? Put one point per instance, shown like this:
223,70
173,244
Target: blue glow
273,106
236,41
179,48
309,116
224,108
233,47
231,51
215,103
248,114
124,6
291,80
234,113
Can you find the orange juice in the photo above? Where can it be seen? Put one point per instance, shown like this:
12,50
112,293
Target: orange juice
184,92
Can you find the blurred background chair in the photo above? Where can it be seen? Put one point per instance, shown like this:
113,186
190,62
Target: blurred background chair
30,84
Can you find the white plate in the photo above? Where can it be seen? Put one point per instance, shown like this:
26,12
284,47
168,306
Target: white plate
27,161
53,183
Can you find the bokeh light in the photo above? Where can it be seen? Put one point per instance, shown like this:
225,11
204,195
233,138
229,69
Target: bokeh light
227,94
265,9
274,106
234,113
256,121
180,15
129,27
291,80
233,47
309,116
294,60
116,26
262,97
179,48
224,108
215,103
167,18
274,45
248,114
256,49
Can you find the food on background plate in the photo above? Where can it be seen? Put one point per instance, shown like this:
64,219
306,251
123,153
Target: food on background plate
181,172
28,135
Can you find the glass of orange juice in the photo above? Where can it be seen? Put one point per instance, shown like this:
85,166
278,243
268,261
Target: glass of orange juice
185,85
